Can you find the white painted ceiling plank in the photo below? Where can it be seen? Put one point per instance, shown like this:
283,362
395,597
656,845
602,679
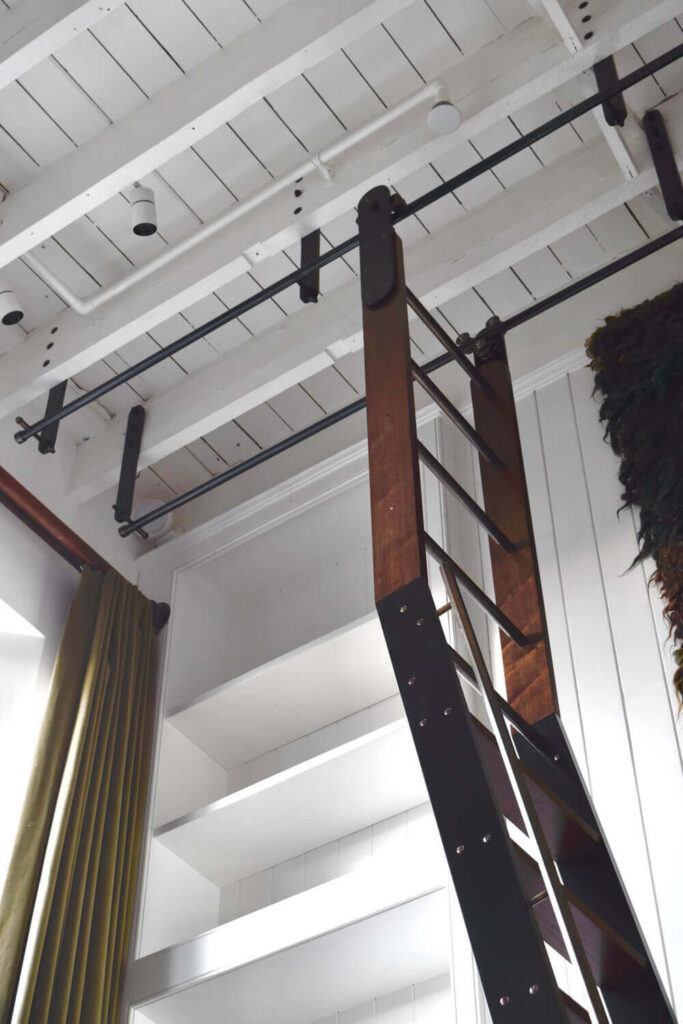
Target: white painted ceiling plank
219,89
186,280
33,29
67,104
231,443
264,426
100,76
225,19
522,221
175,27
136,50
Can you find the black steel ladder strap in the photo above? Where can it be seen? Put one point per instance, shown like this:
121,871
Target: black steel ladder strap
553,884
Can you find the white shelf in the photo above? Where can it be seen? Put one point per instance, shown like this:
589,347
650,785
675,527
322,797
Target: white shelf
302,691
332,947
323,799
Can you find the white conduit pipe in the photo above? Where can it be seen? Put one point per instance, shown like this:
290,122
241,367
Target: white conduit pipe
435,90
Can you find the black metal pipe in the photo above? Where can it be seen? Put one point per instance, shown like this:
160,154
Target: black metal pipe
543,130
576,287
430,367
524,141
255,460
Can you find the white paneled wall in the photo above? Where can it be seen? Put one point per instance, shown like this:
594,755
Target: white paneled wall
429,1002
612,660
613,669
383,841
608,640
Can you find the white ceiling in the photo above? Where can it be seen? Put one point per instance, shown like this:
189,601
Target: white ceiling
72,100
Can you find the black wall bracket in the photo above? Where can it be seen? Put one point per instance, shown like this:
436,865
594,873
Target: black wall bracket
48,435
123,506
664,160
614,108
309,286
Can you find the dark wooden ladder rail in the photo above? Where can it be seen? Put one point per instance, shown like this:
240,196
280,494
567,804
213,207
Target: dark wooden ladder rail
510,902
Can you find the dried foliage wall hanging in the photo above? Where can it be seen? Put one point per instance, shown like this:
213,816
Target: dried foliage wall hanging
637,359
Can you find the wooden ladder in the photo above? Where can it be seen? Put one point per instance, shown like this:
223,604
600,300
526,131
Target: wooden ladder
520,769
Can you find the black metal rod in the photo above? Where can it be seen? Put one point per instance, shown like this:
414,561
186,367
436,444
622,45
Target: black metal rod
456,417
542,132
255,460
429,367
442,474
520,144
441,335
188,339
482,599
576,287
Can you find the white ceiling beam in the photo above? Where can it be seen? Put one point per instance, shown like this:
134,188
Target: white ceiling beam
290,41
488,86
33,29
523,220
573,37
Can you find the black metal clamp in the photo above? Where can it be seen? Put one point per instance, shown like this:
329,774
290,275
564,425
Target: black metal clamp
664,160
309,286
123,506
614,108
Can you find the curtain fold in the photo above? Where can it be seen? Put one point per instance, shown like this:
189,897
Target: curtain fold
76,856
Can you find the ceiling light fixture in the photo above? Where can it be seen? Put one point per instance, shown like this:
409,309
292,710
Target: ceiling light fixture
143,209
444,117
10,307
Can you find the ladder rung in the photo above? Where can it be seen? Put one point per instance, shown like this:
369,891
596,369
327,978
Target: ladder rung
576,1013
479,596
443,609
614,961
463,497
454,415
537,899
463,666
568,835
441,335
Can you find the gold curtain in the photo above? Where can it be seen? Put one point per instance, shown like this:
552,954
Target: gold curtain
76,855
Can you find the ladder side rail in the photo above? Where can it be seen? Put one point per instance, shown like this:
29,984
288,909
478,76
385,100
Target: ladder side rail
553,884
529,676
504,933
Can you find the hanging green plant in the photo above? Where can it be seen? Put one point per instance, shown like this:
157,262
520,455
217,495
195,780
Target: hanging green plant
637,359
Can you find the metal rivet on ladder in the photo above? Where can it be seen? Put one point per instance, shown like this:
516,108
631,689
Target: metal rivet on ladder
447,711
419,622
460,849
423,721
412,681
556,757
504,1000
533,989
486,838
404,609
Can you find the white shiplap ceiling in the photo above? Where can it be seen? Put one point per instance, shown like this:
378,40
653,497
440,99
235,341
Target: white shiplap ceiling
71,101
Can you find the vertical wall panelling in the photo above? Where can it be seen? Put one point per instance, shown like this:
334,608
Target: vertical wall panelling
617,680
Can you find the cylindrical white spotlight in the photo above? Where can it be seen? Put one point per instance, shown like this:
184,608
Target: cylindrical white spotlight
10,308
143,210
